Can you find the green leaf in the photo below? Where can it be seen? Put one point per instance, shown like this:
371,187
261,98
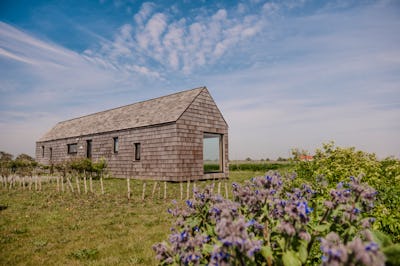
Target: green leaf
210,230
303,254
381,238
392,254
208,248
281,241
290,258
322,227
266,252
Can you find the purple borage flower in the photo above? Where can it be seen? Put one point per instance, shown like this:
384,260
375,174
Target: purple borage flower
190,204
212,230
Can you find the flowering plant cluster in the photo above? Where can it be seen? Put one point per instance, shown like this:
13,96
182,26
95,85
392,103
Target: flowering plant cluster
270,221
332,164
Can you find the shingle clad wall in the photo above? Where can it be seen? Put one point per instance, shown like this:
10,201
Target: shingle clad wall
170,149
201,116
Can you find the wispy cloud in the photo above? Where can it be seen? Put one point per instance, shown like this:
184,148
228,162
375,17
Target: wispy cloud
43,83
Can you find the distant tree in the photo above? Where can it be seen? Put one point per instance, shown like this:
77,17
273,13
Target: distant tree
23,165
24,157
261,160
280,159
6,160
248,159
5,157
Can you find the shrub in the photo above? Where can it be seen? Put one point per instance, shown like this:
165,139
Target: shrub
333,164
273,221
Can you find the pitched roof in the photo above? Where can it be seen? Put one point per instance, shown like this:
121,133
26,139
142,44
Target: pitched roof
151,112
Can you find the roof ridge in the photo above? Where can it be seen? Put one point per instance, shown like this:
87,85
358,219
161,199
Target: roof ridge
123,106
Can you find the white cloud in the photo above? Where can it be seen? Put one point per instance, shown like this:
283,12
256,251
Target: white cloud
179,43
144,13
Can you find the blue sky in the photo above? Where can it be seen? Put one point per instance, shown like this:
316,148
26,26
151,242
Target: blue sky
285,74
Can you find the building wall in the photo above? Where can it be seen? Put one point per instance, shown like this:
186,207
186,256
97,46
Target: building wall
172,152
201,117
158,152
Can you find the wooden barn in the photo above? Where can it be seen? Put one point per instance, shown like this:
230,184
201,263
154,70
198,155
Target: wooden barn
178,137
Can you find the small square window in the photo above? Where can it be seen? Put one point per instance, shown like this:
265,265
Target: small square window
72,148
116,145
137,151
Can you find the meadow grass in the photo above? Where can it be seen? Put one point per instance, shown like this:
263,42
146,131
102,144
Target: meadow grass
63,228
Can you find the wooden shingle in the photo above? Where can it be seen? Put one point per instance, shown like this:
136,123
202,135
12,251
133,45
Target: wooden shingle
151,112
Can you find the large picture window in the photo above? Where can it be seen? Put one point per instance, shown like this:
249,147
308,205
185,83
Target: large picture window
212,153
72,148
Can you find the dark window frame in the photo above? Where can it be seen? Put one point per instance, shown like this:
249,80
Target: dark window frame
51,153
72,148
115,144
42,151
138,151
221,151
89,147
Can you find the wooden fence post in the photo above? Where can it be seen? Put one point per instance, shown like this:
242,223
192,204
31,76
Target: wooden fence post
91,183
129,187
70,184
40,183
78,187
101,184
144,190
194,189
188,189
154,189
219,188
165,189
84,181
226,190
181,184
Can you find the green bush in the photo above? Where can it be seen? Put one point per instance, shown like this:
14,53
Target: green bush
256,167
334,164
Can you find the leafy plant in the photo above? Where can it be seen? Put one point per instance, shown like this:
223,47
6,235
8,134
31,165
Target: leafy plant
271,220
333,164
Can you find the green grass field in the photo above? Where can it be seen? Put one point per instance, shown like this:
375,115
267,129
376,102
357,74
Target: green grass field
54,228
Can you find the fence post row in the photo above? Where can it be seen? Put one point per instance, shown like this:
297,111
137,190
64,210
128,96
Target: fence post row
17,182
